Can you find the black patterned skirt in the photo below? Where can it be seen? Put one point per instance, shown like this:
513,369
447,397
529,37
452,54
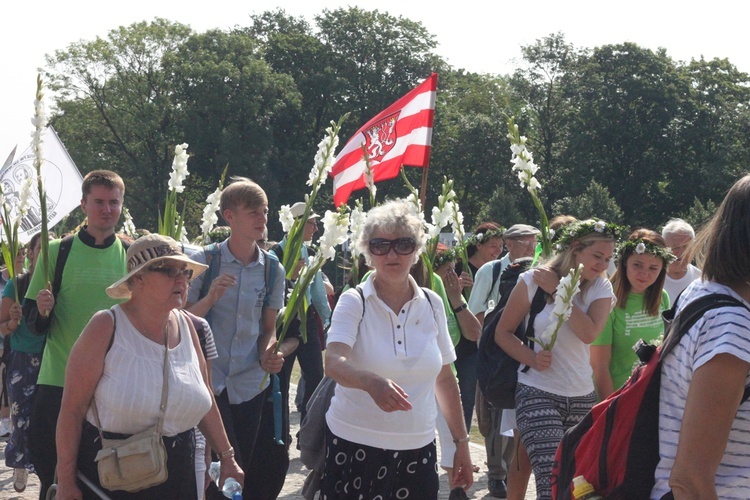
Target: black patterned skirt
357,471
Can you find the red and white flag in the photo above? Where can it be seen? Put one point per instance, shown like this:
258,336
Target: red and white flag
400,135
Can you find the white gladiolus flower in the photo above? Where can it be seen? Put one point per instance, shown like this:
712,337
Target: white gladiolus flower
128,227
517,148
432,230
546,336
356,224
415,204
323,159
24,196
523,163
209,213
183,235
286,218
567,289
39,120
457,222
335,232
438,217
179,168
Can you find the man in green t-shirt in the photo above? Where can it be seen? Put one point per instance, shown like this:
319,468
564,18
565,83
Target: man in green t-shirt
96,260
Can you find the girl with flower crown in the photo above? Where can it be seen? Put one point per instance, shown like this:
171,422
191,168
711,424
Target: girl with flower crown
638,283
485,245
557,391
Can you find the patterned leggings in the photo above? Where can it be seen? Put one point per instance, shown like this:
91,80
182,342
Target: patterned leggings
23,369
542,419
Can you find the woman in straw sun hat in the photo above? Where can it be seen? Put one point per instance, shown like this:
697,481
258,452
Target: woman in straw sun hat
118,362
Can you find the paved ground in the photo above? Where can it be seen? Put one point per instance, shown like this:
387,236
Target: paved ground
295,477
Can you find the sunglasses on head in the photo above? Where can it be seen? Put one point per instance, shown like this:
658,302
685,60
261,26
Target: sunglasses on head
172,272
402,246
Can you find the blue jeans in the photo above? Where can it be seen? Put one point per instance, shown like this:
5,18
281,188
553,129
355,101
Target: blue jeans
466,371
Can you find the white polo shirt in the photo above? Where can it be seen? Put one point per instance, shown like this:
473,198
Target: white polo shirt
409,347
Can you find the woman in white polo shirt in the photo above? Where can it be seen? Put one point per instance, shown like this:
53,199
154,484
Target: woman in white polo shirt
390,352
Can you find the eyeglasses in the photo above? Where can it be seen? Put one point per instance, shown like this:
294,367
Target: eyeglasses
172,272
402,246
525,243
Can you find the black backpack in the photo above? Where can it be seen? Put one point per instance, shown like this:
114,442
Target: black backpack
497,372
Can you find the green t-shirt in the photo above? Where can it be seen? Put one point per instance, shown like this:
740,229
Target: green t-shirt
22,340
624,328
87,273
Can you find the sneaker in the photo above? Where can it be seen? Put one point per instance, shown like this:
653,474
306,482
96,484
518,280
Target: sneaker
20,477
497,488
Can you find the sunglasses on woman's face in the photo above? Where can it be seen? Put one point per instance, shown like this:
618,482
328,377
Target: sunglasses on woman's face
172,272
402,246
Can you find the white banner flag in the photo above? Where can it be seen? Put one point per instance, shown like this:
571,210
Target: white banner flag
62,182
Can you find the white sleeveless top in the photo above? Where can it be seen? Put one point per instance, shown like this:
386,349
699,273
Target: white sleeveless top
129,392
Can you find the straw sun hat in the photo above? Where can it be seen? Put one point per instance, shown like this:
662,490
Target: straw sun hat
147,251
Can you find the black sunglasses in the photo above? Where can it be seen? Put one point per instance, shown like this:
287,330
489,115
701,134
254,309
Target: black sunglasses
402,246
172,272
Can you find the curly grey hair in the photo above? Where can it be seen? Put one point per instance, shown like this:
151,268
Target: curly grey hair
393,217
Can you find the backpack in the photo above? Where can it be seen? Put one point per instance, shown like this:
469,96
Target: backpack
616,446
497,372
496,268
37,324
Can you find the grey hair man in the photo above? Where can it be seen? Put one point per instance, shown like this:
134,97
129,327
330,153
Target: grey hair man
678,235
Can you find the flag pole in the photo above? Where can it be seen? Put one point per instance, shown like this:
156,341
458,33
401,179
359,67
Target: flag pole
423,188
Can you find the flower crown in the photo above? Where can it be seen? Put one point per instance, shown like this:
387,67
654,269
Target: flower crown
641,247
579,229
477,238
443,257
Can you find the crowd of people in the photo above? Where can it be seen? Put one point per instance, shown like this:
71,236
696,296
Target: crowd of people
122,336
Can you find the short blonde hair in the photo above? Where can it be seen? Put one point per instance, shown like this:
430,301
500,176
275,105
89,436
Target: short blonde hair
242,192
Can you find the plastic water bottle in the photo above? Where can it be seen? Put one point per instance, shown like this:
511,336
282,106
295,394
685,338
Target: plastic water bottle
583,490
232,489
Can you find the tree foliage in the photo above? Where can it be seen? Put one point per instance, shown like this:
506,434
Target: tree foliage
594,202
618,131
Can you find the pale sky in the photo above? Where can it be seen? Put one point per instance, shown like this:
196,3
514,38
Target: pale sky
480,36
